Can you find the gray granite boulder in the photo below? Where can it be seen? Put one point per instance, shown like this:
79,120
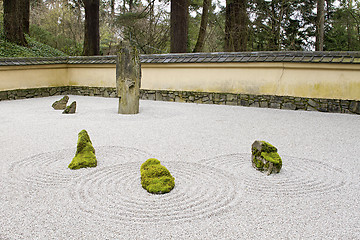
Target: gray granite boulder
265,157
71,108
61,104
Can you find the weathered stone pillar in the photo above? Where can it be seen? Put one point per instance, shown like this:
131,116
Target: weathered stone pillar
128,79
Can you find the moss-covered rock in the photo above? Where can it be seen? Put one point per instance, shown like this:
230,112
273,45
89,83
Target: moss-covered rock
155,178
70,109
61,104
265,157
85,153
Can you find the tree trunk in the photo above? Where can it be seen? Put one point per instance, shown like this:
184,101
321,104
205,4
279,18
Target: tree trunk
13,22
273,44
92,35
320,18
202,32
112,7
179,26
25,9
236,26
131,5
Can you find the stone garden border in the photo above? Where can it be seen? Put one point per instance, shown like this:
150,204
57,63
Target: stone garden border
198,96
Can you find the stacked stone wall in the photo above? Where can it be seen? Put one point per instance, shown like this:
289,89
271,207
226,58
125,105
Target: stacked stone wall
247,100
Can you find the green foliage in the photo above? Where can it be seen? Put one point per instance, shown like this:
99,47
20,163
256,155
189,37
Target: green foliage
59,25
85,153
35,49
155,178
344,31
61,41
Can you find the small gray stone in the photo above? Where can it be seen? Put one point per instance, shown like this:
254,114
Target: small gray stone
70,109
158,96
61,104
312,103
3,95
263,104
289,106
151,96
230,97
355,107
274,105
310,108
254,104
231,103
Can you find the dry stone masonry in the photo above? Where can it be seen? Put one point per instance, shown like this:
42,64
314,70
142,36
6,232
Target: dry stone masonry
247,100
264,101
265,157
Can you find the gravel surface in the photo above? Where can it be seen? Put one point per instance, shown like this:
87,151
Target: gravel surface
218,195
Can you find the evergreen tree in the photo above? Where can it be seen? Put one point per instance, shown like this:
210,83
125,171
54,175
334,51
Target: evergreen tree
203,25
236,25
179,24
15,20
92,33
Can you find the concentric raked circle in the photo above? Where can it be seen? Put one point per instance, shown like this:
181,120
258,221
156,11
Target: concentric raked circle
50,169
298,175
115,194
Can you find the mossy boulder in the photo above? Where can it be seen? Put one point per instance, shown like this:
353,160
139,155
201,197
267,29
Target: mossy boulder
61,104
70,109
265,157
85,153
155,178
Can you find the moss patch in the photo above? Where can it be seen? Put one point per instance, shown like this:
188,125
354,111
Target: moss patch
271,157
267,147
265,157
155,178
85,153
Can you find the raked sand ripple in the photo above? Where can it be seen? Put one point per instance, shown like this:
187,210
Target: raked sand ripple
218,195
298,176
112,191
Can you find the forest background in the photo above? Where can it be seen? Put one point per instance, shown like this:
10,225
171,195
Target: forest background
163,26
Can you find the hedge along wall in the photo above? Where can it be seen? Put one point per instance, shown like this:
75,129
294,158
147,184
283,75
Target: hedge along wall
321,81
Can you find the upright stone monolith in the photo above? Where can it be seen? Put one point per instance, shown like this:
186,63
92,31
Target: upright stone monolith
128,79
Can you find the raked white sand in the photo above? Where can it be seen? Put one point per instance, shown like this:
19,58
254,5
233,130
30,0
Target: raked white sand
218,195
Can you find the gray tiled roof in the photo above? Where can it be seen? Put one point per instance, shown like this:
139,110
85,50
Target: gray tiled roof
307,57
235,57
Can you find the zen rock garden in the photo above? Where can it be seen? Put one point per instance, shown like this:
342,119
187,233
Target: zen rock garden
265,157
155,178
